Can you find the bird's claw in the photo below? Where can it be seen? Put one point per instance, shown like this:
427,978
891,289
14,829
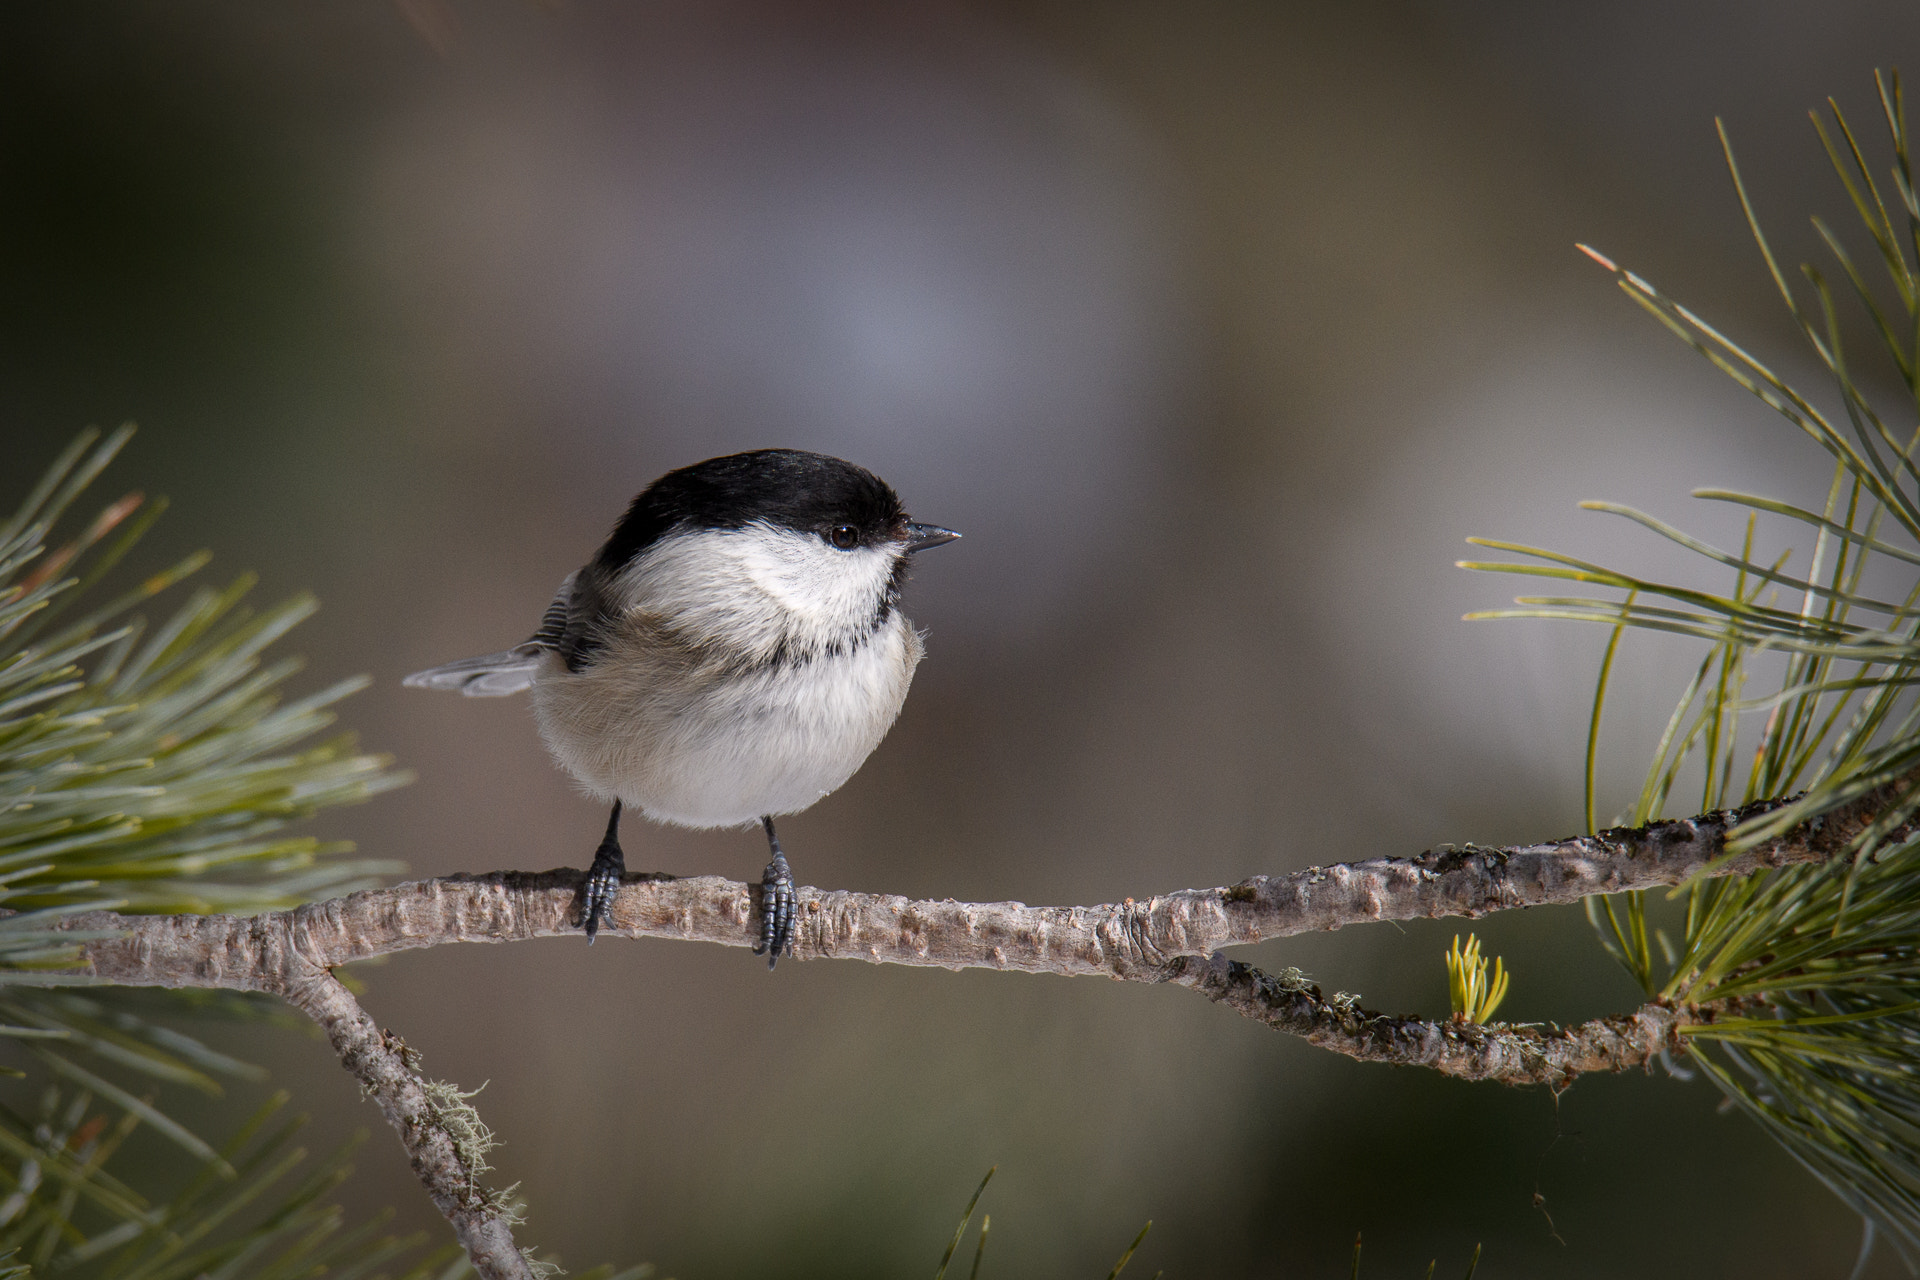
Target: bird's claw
776,911
603,881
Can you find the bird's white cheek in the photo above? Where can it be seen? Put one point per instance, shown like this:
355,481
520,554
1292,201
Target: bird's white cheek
824,588
758,588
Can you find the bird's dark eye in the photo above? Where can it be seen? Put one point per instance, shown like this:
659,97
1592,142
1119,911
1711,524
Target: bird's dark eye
844,536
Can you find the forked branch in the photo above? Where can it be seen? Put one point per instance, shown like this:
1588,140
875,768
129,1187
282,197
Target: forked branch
1167,938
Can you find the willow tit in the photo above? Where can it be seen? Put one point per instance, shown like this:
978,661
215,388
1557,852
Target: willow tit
733,653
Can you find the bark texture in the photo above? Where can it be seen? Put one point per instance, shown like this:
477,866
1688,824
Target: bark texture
272,953
1132,939
382,1063
1516,1055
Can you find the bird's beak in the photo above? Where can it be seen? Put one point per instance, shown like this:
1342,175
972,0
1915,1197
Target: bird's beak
922,536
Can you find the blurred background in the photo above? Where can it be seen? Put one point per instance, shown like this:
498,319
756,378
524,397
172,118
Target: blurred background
1216,328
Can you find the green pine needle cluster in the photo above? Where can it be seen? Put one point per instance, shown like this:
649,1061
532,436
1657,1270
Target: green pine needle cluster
152,766
1474,990
72,1149
69,1177
1819,963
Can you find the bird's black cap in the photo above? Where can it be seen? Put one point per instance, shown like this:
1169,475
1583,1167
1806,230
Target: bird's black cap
788,488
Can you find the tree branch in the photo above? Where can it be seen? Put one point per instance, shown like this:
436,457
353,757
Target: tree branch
386,1070
1126,940
1168,938
267,953
1515,1055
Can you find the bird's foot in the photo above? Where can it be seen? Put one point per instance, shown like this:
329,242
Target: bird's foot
603,881
776,910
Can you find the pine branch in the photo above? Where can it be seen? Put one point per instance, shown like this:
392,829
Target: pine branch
1827,955
386,1070
273,953
1130,940
1126,941
1515,1055
1169,938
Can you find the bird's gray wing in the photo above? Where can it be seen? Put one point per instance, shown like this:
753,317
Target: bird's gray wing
552,633
577,619
495,675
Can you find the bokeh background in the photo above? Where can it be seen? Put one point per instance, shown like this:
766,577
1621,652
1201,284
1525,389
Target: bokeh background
1216,327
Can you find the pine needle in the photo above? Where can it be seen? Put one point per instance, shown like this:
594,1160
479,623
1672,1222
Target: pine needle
1820,960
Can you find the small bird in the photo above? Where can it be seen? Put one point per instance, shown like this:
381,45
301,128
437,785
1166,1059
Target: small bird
733,653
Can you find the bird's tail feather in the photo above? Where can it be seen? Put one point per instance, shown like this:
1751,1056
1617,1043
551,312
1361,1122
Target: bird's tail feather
491,675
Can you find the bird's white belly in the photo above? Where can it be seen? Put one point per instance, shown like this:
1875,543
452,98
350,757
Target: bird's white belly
706,746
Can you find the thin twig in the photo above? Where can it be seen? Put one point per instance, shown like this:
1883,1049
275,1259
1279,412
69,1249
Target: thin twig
262,953
1515,1055
383,1065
